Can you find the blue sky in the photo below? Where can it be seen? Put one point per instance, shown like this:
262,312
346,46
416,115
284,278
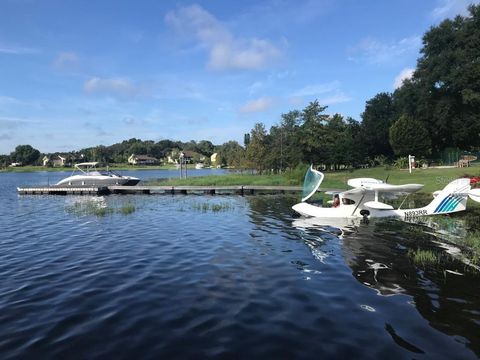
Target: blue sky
82,73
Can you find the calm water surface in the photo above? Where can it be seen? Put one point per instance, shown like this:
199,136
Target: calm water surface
221,277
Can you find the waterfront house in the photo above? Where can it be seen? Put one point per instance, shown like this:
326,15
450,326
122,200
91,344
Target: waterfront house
213,159
142,160
187,155
45,160
55,161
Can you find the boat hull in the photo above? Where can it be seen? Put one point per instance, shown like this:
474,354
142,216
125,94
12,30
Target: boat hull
82,180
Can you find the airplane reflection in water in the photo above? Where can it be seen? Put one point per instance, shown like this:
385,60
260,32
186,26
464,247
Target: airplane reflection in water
446,294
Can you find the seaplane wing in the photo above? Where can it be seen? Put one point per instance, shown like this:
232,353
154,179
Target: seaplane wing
474,194
398,189
385,189
355,191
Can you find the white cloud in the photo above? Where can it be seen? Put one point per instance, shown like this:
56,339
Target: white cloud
114,86
326,94
16,50
257,105
65,59
255,87
336,98
8,100
12,123
405,74
376,52
225,50
316,89
451,8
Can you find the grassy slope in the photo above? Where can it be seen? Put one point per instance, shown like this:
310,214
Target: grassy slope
433,179
228,179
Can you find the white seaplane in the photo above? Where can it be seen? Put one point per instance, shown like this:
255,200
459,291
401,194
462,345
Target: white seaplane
362,201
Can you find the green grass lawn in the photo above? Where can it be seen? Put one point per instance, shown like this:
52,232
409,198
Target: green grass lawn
228,179
433,179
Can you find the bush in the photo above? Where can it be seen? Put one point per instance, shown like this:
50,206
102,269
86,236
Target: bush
401,162
296,175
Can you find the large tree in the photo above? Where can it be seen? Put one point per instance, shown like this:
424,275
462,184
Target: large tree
25,154
409,137
257,153
231,153
377,118
444,93
312,133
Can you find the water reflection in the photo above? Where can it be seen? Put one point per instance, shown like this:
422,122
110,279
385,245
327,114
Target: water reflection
377,253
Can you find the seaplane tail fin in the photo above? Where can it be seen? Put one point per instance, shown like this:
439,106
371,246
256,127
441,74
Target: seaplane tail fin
451,199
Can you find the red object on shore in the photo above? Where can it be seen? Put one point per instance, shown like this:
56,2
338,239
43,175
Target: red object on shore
474,179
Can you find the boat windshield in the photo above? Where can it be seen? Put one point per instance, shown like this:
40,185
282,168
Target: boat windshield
311,183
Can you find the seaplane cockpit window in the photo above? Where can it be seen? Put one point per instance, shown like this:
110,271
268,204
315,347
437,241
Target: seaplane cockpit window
346,201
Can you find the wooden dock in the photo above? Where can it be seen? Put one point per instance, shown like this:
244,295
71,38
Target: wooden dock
64,190
210,190
161,190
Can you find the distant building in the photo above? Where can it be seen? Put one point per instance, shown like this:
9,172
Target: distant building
55,161
142,160
213,159
61,160
45,160
187,155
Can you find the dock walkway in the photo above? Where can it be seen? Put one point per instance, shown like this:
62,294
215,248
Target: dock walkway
161,190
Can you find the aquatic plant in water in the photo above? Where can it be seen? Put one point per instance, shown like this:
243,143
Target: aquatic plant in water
98,208
213,207
424,257
472,240
127,209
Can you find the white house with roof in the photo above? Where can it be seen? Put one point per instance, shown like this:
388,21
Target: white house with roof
142,160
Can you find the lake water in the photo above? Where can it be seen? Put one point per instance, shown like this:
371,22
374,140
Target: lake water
221,277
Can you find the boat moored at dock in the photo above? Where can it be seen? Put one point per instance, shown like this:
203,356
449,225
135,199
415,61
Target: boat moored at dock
89,176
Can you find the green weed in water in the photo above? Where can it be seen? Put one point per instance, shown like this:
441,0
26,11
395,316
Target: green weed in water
102,211
206,206
98,208
473,242
89,208
424,257
127,209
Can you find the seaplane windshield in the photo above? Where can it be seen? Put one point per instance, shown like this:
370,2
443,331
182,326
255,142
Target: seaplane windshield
311,183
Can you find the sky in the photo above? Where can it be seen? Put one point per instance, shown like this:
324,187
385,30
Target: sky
75,74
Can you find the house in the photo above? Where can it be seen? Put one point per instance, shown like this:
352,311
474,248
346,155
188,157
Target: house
213,159
187,155
142,160
58,161
45,160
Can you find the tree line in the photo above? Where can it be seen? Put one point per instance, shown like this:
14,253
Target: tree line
116,153
436,109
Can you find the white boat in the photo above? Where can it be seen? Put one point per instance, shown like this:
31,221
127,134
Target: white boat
199,166
89,175
362,201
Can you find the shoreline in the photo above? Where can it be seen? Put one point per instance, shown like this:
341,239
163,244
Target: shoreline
25,169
